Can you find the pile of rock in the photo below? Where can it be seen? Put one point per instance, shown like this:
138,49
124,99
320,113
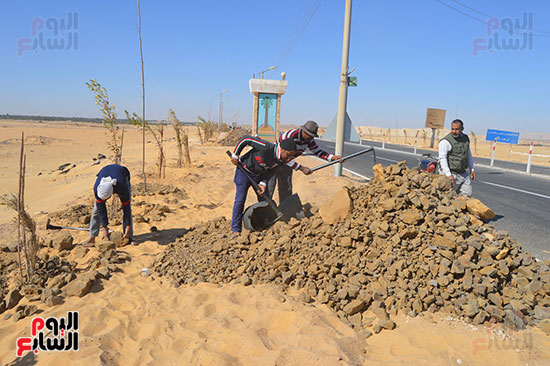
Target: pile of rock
407,244
55,278
76,214
233,137
158,188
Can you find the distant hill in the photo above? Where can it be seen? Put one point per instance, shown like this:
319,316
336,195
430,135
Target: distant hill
70,119
535,136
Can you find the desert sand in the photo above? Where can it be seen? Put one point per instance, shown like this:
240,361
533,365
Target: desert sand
136,320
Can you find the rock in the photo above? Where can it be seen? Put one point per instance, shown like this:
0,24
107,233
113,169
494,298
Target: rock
105,245
80,252
380,313
62,241
345,242
63,166
354,307
478,209
378,171
441,241
457,268
12,298
495,299
337,208
488,271
387,324
514,320
116,238
502,254
441,183
471,309
545,326
302,296
411,217
10,246
79,286
388,204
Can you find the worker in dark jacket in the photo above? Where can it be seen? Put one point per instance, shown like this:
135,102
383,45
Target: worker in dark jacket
259,162
111,179
304,139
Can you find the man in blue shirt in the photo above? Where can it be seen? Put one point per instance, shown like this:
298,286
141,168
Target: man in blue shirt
111,179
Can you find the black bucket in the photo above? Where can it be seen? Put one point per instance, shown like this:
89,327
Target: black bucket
291,207
260,216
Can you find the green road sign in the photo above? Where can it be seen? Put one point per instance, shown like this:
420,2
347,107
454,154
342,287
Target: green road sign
352,80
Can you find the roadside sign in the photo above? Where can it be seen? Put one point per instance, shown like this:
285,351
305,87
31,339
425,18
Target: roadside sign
435,118
507,137
352,80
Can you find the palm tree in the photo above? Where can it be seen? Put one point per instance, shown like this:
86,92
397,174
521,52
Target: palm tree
266,103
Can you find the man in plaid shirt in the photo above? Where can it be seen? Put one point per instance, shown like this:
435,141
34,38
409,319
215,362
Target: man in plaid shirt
304,138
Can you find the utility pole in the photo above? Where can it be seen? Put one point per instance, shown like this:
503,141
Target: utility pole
142,102
343,95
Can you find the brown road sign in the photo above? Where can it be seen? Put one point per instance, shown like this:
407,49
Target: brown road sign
435,118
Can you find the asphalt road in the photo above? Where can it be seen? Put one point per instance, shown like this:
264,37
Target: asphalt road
521,202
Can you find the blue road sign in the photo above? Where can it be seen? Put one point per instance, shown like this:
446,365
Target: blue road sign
507,137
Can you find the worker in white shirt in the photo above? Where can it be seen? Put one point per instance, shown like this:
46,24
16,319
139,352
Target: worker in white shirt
455,158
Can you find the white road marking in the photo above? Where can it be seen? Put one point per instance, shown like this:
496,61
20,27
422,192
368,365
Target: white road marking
516,189
390,160
357,174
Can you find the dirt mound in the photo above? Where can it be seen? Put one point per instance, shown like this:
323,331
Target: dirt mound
157,188
35,140
409,245
71,216
233,137
54,279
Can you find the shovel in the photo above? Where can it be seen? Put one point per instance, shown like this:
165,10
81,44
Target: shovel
344,159
55,227
263,214
49,226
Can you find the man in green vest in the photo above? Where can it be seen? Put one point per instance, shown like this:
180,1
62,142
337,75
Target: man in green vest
455,158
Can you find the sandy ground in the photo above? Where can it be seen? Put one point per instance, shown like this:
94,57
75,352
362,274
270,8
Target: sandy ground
135,320
480,148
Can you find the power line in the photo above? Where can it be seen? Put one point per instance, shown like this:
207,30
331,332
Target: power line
298,31
481,20
487,15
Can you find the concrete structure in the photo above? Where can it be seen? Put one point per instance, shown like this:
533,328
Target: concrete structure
350,135
267,106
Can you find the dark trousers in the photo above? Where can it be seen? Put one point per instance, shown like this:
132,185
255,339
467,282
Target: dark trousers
283,177
241,184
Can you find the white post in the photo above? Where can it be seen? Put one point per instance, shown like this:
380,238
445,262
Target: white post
343,93
493,153
415,141
529,158
384,140
360,138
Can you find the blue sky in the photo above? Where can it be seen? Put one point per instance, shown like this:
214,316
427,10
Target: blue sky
408,55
